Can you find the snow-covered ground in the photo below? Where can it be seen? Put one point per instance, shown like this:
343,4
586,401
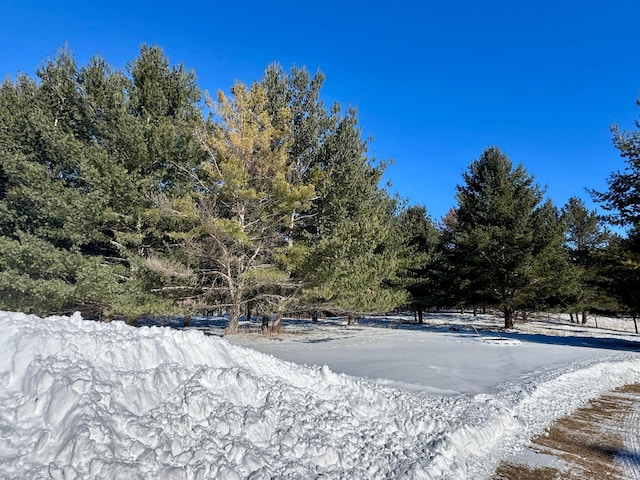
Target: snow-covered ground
450,354
383,399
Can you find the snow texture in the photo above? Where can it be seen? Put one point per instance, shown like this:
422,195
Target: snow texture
630,459
82,399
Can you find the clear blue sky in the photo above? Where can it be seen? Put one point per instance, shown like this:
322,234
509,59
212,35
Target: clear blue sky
434,82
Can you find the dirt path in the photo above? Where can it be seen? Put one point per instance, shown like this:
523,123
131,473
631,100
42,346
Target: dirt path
597,442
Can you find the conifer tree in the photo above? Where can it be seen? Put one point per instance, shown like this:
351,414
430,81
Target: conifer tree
79,172
48,207
310,122
346,257
504,238
586,240
418,251
245,205
353,261
621,272
622,200
554,280
156,144
448,270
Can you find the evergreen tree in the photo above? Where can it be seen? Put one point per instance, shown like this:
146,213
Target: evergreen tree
504,238
451,286
157,145
622,199
244,206
586,240
419,239
310,123
346,257
622,272
78,175
352,262
49,205
554,280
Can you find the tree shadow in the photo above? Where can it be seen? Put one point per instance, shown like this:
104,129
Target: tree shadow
464,325
467,326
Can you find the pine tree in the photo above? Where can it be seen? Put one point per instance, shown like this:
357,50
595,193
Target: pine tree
584,228
622,199
79,172
48,206
504,238
310,123
345,251
419,241
156,143
353,261
447,272
621,272
554,280
586,240
244,206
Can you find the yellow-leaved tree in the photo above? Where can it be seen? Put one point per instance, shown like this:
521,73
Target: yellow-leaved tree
244,206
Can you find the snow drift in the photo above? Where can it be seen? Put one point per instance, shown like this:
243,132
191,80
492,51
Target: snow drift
82,399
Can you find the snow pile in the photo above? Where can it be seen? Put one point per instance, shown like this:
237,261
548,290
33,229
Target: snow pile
90,400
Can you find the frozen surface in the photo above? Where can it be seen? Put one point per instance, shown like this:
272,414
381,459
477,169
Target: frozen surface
448,356
81,399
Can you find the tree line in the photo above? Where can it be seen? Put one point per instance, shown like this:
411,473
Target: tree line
126,193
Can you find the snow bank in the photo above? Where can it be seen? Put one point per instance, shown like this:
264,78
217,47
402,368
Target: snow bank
82,399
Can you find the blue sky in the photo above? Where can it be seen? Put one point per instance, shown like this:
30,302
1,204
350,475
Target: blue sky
434,82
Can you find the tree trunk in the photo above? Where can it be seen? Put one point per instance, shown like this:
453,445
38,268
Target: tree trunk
276,327
187,319
584,316
635,322
475,311
314,316
415,314
265,323
232,326
571,316
524,316
248,312
420,319
508,318
351,319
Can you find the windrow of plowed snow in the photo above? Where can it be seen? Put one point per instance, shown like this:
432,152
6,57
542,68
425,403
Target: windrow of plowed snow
83,399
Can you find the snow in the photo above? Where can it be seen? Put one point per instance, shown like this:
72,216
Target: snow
630,458
448,356
82,399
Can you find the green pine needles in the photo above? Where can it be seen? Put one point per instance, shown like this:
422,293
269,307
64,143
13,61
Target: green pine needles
126,193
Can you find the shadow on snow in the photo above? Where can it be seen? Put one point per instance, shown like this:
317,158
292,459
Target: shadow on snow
485,328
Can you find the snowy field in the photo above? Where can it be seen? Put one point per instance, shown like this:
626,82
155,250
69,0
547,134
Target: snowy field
382,399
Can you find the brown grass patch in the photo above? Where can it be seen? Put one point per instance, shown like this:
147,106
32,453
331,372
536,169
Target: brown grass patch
587,441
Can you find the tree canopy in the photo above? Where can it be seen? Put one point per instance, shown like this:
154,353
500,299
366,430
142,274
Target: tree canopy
504,235
81,152
120,198
123,194
622,199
